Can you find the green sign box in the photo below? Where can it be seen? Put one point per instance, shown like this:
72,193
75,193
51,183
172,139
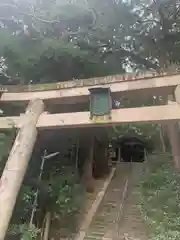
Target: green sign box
100,102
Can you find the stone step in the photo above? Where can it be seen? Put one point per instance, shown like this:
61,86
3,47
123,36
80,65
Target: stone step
106,222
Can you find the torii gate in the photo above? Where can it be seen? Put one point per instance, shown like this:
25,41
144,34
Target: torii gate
77,91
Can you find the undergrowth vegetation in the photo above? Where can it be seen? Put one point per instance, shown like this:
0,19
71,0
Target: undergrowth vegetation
59,192
160,198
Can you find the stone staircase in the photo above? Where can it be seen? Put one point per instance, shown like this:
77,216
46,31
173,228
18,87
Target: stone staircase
132,226
110,221
104,224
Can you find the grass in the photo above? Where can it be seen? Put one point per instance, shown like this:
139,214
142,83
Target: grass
160,198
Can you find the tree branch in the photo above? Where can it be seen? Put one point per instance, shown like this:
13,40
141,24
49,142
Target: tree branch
135,57
94,14
28,14
149,21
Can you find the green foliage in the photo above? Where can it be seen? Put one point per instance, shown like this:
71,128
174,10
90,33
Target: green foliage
159,198
24,205
29,232
48,50
26,232
144,130
86,39
60,193
42,60
68,194
6,142
144,33
149,133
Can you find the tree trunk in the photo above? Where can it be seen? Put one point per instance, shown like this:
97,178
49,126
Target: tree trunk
174,139
101,161
17,164
173,130
88,168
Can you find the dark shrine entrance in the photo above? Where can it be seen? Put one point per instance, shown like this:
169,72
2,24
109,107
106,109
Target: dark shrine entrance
129,148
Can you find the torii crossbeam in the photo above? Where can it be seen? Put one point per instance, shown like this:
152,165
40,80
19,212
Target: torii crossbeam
69,94
154,114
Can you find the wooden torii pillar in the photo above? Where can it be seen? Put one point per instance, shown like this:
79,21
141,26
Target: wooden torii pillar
174,130
17,164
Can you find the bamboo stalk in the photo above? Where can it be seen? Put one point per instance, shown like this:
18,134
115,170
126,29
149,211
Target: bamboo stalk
37,191
162,139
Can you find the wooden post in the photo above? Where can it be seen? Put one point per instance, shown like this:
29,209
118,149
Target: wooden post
174,135
17,164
